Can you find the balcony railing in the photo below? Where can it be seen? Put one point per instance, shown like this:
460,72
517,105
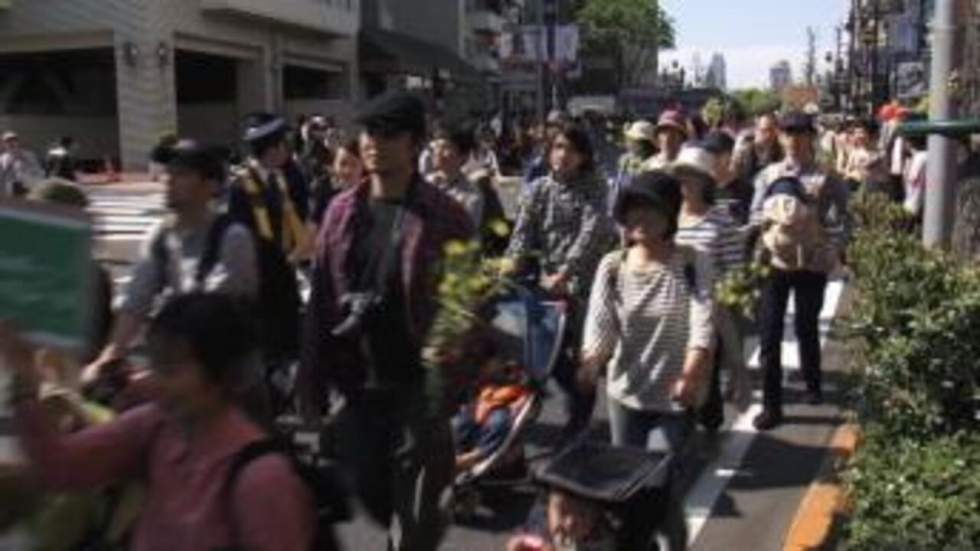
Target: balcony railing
339,17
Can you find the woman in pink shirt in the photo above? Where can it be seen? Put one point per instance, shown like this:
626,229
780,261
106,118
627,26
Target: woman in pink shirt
181,445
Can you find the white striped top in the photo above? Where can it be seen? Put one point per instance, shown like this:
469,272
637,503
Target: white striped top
718,235
647,320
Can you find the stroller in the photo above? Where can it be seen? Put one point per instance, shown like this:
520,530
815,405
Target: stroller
630,486
528,331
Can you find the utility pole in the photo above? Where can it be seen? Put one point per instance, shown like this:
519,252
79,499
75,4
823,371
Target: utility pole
874,47
839,70
552,16
540,54
941,168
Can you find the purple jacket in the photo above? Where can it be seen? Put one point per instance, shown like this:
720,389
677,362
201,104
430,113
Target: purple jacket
432,219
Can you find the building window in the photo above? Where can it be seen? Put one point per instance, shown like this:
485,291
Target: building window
304,83
203,78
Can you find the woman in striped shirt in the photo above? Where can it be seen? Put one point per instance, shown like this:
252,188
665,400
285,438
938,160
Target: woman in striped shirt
649,321
712,229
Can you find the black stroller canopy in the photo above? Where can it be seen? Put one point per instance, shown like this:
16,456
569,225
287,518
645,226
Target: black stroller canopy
601,472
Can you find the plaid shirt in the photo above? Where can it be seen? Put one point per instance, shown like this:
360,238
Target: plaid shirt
432,219
567,226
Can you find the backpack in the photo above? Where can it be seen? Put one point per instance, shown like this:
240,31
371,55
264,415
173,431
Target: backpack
277,305
322,478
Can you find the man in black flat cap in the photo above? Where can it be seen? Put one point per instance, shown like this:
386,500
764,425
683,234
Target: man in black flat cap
827,196
372,305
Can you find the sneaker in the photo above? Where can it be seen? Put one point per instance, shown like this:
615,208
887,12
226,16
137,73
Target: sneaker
768,419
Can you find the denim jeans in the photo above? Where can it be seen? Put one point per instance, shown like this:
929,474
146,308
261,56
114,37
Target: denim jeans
650,430
808,291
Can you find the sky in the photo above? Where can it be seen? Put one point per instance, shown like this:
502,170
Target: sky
752,34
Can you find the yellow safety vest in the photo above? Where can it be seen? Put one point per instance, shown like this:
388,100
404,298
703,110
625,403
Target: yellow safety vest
295,236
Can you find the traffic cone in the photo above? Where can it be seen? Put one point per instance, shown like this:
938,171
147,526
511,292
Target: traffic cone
112,176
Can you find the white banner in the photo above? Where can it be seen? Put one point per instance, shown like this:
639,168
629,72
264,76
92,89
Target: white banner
567,43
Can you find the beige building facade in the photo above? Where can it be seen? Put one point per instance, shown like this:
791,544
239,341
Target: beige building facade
116,74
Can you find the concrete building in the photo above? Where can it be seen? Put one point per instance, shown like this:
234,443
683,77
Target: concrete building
419,45
780,76
482,31
115,74
717,75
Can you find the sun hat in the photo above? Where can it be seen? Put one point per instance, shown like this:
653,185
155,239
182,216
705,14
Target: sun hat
694,160
642,131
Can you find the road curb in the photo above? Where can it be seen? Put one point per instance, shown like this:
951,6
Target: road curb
825,498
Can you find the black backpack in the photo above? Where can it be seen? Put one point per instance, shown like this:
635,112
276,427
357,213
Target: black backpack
277,306
322,478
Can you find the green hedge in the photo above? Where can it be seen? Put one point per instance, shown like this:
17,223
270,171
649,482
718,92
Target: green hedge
915,482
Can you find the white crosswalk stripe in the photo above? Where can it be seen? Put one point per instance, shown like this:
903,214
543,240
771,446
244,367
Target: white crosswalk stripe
125,217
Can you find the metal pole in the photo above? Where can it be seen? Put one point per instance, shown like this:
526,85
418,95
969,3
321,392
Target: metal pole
852,78
875,29
541,61
941,168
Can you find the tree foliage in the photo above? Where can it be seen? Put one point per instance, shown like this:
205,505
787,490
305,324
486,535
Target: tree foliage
757,101
631,32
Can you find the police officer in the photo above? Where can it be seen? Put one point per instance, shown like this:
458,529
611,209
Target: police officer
269,194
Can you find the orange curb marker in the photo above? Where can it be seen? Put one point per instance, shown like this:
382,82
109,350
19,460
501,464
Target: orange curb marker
824,499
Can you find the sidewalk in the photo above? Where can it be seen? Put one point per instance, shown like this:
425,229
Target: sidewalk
767,487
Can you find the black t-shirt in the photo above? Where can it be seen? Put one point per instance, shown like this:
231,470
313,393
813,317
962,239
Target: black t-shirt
395,358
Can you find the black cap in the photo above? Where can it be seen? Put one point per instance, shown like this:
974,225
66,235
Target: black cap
788,185
718,142
191,155
654,188
260,126
394,112
797,121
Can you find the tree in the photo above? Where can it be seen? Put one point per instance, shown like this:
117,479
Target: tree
631,32
757,101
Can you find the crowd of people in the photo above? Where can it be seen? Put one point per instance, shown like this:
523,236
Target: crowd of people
635,249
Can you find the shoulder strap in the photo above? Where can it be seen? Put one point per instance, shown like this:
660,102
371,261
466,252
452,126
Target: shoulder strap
212,248
614,277
241,460
690,267
160,252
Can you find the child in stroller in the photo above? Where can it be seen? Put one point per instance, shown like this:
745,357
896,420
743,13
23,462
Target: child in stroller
601,497
481,425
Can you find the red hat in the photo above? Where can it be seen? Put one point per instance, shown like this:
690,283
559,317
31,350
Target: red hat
887,112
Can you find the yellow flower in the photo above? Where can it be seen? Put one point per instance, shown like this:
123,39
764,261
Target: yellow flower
507,266
455,248
499,228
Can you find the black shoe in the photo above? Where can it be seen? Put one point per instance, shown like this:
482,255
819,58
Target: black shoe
768,419
814,397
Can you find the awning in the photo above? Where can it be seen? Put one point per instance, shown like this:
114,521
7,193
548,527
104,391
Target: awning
397,53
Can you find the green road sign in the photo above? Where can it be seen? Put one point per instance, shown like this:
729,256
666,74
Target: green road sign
46,271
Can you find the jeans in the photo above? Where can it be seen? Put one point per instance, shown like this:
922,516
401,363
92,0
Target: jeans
402,462
650,430
486,437
808,289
